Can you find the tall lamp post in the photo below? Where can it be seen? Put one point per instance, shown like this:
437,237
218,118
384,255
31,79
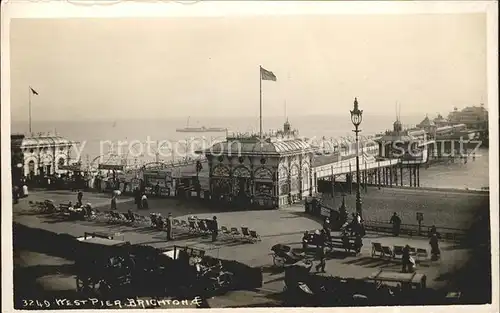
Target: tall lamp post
356,118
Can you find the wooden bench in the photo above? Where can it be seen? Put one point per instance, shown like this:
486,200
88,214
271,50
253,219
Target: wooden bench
64,208
337,242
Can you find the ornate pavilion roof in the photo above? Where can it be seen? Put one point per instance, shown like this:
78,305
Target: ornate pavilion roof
426,122
252,145
45,141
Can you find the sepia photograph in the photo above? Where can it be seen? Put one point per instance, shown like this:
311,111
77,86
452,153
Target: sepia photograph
210,155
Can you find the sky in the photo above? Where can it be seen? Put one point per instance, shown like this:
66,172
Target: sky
177,67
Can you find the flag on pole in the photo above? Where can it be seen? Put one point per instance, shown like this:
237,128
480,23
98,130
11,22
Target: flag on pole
267,75
34,91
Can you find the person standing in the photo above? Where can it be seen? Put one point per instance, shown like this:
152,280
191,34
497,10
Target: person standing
406,258
169,226
396,224
321,257
25,189
215,229
358,243
157,189
79,197
113,203
137,196
435,252
144,202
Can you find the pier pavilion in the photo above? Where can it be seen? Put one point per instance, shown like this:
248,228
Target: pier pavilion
42,155
270,171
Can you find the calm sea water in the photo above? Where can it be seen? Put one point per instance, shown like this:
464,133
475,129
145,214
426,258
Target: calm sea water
97,138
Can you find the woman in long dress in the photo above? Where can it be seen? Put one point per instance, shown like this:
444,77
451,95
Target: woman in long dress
144,201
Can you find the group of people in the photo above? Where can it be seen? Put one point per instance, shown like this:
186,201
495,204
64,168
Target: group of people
140,199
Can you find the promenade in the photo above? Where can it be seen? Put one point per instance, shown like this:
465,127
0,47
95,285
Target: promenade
284,226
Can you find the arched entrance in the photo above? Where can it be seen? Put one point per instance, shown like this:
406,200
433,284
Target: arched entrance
221,183
241,185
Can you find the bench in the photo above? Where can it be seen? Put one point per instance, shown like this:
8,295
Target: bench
381,251
338,243
64,208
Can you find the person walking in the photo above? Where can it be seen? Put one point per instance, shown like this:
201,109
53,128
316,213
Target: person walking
169,227
215,229
396,224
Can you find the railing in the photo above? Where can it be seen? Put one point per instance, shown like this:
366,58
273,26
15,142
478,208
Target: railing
446,233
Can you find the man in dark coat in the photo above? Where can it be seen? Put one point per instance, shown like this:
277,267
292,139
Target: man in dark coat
406,258
79,197
396,224
169,226
215,229
435,252
113,203
320,250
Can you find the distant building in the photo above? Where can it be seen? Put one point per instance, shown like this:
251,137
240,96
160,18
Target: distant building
474,117
440,121
42,155
427,125
408,146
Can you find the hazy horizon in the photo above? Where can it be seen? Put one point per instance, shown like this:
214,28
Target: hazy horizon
122,69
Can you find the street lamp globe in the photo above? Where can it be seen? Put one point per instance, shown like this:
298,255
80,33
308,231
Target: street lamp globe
356,114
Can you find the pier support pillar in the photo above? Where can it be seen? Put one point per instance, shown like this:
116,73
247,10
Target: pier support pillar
415,175
418,176
409,170
333,187
390,176
401,174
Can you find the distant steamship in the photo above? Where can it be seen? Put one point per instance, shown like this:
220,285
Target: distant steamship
201,129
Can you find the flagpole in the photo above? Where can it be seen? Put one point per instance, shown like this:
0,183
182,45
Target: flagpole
29,95
260,87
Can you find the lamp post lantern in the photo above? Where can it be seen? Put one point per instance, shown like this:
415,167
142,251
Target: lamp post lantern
356,118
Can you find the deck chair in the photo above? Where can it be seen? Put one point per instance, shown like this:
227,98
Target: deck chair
413,251
184,224
235,232
139,218
377,249
225,231
387,251
176,223
397,252
202,226
422,254
193,228
112,218
246,233
255,236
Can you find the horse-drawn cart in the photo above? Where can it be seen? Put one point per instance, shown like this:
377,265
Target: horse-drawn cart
103,265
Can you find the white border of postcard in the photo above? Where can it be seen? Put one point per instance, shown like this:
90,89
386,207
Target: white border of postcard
116,8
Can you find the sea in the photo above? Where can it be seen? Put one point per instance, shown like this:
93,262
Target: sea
139,141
